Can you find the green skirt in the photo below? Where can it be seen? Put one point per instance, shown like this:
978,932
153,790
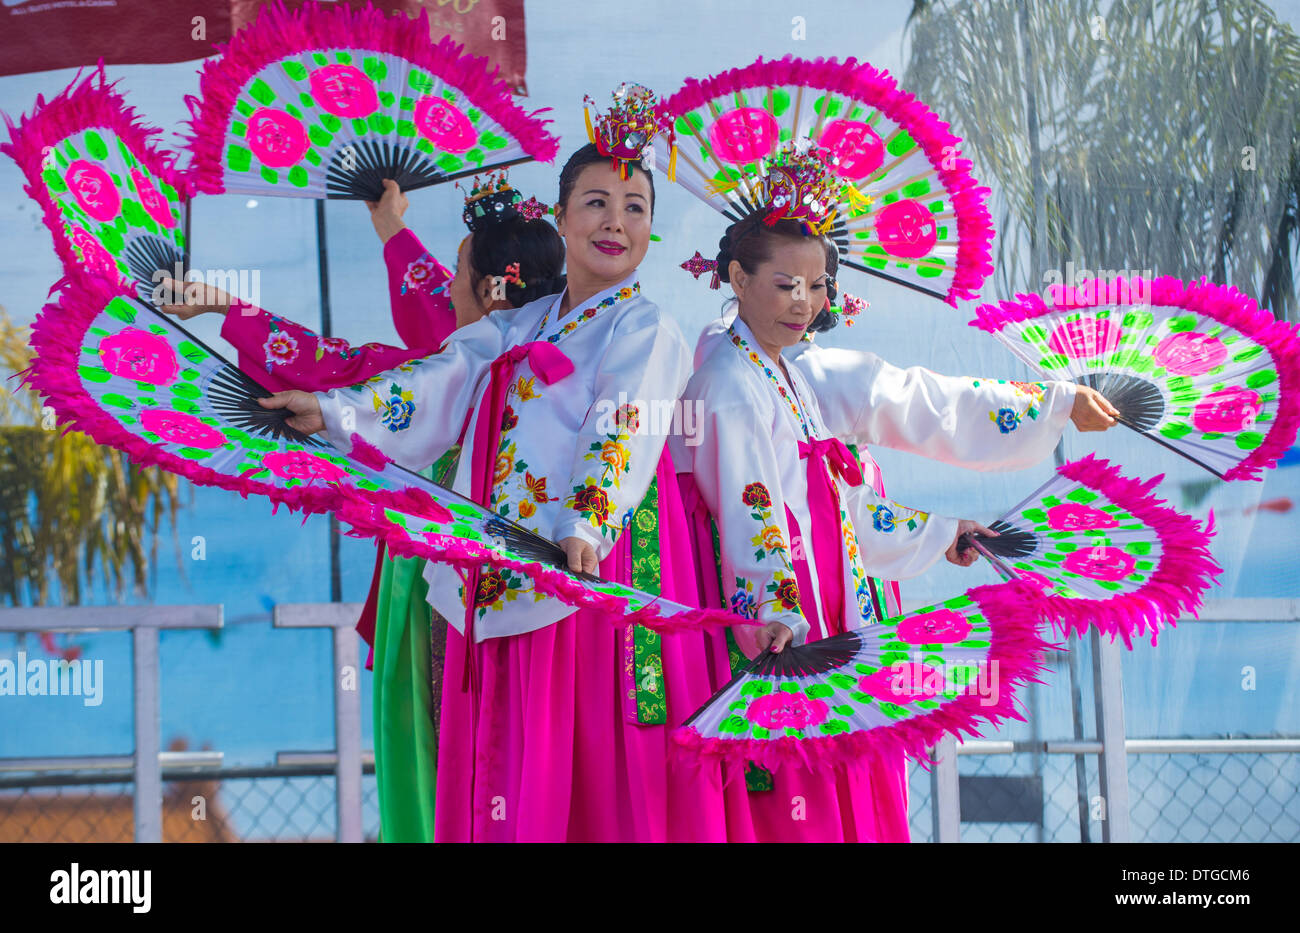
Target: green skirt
410,641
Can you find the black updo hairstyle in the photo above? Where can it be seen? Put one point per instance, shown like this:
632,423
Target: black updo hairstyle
749,241
534,244
590,155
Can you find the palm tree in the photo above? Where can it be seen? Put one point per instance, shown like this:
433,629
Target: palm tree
1134,135
69,508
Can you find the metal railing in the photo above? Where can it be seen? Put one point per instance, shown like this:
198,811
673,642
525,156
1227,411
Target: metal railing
1249,788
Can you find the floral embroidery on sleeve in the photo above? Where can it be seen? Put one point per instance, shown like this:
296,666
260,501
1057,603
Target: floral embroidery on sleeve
420,275
396,410
281,348
885,519
1008,419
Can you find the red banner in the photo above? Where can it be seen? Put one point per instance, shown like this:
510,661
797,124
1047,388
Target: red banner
40,35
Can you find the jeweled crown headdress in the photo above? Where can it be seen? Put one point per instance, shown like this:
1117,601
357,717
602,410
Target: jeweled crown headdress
626,130
799,186
494,200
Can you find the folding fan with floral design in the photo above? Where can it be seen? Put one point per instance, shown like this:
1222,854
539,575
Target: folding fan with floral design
134,379
1199,368
327,101
112,199
894,686
908,209
1106,552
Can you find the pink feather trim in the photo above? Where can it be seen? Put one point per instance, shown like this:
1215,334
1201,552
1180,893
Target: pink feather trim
367,520
278,32
367,454
1186,571
878,88
83,104
1016,647
1222,303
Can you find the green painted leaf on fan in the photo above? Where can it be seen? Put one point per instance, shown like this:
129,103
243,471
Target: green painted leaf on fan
1182,323
777,101
298,177
95,144
238,159
901,144
116,400
1138,319
475,155
119,309
423,145
891,657
94,373
818,691
492,141
1082,495
294,70
405,128
761,733
757,688
841,680
343,57
270,175
331,122
861,697
420,81
1054,361
194,453
318,135
312,157
688,122
238,129
185,390
787,687
449,163
185,405
917,188
972,644
98,332
834,727
53,179
1108,584
957,602
191,352
1248,354
368,485
734,724
1176,429
844,709
1249,440
376,68
828,106
261,92
893,710
381,123
927,271
867,669
1262,378
293,111
963,673
359,126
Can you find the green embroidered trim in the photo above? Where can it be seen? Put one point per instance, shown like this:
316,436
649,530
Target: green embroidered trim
756,778
647,649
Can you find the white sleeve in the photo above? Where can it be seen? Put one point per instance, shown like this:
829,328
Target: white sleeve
737,475
980,424
896,542
414,413
617,449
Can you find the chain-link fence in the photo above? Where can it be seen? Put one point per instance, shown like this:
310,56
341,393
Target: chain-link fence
265,804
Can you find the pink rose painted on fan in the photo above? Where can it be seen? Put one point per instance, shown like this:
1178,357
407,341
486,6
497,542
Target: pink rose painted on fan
93,256
137,354
298,464
180,428
906,229
277,139
345,91
1086,336
1071,516
154,203
1100,563
1227,411
904,682
1190,354
781,710
941,627
94,190
444,125
855,151
744,135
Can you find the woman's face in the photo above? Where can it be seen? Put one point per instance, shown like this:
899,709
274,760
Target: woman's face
605,223
784,294
465,301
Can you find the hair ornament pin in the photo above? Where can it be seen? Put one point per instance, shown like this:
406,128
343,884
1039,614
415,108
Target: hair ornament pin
532,209
512,275
850,307
697,265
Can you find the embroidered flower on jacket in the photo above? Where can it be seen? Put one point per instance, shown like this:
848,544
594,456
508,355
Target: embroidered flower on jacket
787,594
396,411
419,275
614,454
526,509
594,501
628,418
509,419
757,496
882,518
524,388
334,345
1007,419
280,348
490,587
743,603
